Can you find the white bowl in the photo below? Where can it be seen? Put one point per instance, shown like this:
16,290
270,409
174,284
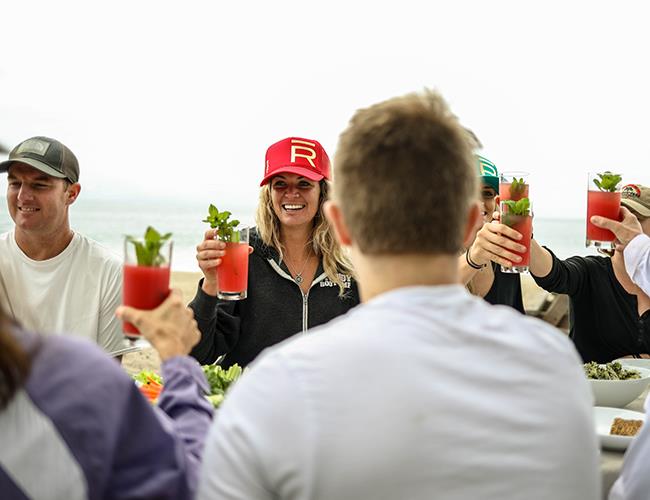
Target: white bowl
620,393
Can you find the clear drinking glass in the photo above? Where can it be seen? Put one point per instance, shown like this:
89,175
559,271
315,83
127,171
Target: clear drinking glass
145,285
522,223
513,186
232,273
603,203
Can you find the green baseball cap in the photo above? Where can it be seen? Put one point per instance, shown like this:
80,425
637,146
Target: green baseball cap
47,155
488,172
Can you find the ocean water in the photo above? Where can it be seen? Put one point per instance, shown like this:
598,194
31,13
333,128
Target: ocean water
108,221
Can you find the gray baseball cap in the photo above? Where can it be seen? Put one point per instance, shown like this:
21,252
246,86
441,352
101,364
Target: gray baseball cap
47,155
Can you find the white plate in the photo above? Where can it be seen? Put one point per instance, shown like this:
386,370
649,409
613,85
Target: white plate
604,417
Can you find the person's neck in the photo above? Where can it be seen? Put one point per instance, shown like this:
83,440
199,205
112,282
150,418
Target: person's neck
44,246
380,274
294,241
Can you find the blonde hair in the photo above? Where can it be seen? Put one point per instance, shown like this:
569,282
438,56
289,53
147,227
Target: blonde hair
335,259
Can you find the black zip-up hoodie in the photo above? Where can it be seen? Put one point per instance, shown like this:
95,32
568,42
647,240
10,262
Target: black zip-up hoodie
274,309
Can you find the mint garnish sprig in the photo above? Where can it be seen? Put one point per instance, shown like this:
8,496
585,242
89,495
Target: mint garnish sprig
225,228
608,181
148,252
520,207
517,187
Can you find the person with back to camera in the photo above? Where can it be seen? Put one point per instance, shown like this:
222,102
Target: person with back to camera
73,425
424,390
299,277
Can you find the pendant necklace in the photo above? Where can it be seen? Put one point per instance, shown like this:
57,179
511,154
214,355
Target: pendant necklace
299,279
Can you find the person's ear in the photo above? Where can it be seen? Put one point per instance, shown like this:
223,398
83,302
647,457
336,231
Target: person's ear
73,192
473,223
335,218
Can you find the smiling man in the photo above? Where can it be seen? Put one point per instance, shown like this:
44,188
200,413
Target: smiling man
53,279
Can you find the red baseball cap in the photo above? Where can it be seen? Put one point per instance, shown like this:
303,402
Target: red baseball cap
295,155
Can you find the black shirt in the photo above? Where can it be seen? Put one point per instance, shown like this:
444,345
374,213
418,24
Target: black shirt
274,310
505,290
606,324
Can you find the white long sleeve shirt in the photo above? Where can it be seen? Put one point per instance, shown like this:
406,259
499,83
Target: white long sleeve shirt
423,392
637,261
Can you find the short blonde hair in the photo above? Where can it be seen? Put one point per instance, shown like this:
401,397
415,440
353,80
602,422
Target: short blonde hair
335,260
404,176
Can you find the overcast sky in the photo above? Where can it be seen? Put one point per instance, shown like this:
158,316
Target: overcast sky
181,99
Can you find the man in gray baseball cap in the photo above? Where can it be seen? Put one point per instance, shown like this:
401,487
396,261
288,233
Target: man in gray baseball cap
54,279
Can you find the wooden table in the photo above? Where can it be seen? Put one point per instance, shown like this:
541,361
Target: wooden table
611,461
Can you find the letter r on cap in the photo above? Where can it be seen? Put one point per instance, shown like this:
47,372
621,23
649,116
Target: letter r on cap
309,153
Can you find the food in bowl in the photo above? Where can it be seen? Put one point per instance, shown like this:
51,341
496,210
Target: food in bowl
625,427
610,371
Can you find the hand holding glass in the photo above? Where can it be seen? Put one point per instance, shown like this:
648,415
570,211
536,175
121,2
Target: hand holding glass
232,273
603,202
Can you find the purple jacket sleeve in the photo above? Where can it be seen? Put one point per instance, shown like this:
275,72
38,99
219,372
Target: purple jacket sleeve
125,447
159,454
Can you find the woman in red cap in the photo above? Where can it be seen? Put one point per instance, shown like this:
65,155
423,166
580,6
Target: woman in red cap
299,277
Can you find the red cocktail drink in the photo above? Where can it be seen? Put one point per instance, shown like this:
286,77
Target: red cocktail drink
147,264
522,222
509,192
605,204
145,287
232,273
524,225
604,199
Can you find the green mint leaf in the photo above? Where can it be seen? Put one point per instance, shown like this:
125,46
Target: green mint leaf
608,181
219,221
520,207
148,254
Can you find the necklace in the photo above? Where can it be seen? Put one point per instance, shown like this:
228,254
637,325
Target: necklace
298,278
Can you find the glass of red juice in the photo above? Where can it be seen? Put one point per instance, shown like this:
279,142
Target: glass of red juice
513,186
523,224
232,273
603,203
144,286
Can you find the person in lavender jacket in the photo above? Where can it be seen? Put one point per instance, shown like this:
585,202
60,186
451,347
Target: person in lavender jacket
73,425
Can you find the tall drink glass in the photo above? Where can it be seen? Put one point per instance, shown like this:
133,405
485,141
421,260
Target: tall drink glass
603,203
513,186
522,223
144,286
232,274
